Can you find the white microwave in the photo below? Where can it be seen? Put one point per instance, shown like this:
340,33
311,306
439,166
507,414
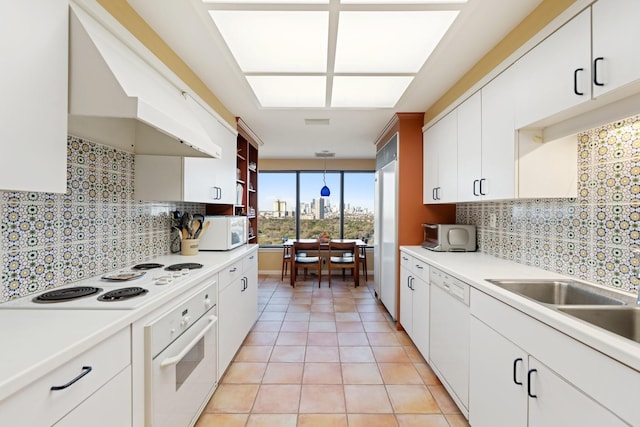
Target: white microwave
224,233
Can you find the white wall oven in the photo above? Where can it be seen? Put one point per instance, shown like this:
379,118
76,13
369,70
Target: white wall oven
181,360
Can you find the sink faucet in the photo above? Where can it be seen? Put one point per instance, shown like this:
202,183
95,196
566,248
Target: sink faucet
636,250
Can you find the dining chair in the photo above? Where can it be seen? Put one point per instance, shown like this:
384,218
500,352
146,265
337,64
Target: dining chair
286,260
363,259
306,255
342,255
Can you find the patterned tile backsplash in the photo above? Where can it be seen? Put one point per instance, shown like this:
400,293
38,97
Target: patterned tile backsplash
588,237
49,240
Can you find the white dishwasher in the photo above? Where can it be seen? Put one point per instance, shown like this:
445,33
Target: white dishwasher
449,335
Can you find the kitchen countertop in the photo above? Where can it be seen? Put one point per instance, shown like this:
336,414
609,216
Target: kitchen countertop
474,267
36,341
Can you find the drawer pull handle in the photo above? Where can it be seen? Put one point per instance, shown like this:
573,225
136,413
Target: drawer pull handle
515,371
233,270
531,371
85,371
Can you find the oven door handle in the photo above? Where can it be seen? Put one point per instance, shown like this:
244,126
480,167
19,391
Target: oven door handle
175,359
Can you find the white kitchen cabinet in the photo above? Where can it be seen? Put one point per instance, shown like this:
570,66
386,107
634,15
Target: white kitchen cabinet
487,143
497,383
615,33
555,75
79,380
188,179
499,173
470,171
34,85
414,301
449,335
237,307
567,377
509,387
440,161
115,394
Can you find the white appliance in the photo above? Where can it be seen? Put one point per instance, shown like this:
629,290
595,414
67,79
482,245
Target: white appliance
224,233
181,355
386,227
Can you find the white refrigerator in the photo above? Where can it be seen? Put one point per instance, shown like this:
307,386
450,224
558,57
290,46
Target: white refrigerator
386,236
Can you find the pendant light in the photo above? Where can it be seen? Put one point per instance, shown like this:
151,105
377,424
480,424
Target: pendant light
324,191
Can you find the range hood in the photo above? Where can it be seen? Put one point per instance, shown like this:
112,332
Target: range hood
118,99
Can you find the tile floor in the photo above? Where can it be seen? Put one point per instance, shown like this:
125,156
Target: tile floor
327,357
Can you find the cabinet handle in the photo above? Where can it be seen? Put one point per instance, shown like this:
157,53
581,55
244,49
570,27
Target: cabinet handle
232,270
595,71
475,181
412,288
482,180
515,371
433,193
575,81
531,371
437,193
419,267
85,371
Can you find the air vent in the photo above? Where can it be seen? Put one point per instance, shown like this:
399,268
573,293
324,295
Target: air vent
325,154
316,122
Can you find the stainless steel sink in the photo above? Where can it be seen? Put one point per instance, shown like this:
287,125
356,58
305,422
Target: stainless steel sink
623,321
563,292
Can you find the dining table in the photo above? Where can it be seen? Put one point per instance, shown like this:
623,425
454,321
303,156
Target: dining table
324,246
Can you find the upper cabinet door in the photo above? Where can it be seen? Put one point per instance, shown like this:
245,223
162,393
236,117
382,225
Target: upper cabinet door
33,106
498,139
615,42
556,74
469,149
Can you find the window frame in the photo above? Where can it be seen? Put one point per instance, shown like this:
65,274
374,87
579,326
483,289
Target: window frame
298,172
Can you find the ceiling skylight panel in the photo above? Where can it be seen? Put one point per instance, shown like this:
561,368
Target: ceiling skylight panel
388,41
275,41
368,91
399,1
289,91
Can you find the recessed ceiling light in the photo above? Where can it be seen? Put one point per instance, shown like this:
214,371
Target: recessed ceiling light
368,91
407,40
275,41
289,91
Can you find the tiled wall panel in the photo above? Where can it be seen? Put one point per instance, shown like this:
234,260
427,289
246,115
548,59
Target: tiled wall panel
588,237
49,240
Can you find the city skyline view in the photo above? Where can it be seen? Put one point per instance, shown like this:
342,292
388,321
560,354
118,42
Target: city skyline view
281,186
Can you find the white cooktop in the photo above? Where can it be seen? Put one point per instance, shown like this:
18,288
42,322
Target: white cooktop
156,281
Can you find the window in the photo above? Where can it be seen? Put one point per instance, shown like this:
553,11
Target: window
290,198
276,207
358,206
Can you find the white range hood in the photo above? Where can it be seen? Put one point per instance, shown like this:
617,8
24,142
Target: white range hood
118,99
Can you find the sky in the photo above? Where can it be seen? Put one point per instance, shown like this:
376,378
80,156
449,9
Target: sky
282,186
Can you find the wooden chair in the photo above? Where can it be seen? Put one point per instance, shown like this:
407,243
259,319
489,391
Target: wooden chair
306,255
286,260
341,255
363,259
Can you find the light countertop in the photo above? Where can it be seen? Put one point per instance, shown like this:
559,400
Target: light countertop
474,267
36,341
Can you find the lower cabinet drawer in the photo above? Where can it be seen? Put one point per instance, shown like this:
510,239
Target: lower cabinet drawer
229,274
38,405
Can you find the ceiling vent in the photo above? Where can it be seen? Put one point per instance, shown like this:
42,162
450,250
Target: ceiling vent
316,122
325,154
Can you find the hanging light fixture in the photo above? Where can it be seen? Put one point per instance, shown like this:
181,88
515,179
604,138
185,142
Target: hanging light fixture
324,191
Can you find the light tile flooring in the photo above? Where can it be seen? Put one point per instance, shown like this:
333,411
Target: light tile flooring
327,357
